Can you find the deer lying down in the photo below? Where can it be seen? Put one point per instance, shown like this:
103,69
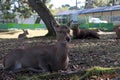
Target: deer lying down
117,30
23,35
42,58
83,33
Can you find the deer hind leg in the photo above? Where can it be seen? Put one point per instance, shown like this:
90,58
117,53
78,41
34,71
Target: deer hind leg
45,67
27,69
36,70
17,67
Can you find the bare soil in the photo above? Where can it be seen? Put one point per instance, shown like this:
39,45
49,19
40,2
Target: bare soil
83,53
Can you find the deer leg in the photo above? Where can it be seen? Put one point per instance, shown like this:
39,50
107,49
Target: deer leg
17,70
27,69
36,70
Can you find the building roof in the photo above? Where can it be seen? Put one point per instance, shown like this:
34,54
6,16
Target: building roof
102,9
68,12
92,10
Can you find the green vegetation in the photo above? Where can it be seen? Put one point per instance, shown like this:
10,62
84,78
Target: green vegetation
95,71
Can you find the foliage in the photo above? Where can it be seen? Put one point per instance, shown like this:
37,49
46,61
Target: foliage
22,8
11,8
60,9
5,7
99,3
63,8
8,15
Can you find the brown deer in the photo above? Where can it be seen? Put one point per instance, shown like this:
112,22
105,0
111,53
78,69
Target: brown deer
23,35
42,58
83,33
117,30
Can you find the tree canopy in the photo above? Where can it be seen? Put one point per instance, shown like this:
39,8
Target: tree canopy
99,3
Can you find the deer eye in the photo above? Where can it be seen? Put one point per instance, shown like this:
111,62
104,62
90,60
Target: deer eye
68,31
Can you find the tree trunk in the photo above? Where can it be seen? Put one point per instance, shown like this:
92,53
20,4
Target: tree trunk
38,20
45,15
88,4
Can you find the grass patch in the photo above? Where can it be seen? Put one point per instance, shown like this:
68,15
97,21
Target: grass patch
98,71
95,71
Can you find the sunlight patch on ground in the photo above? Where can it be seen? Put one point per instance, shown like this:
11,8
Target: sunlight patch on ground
15,33
101,32
34,33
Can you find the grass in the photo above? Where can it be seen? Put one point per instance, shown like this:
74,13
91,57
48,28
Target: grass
95,71
98,71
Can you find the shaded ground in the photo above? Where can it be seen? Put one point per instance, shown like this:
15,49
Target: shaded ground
84,54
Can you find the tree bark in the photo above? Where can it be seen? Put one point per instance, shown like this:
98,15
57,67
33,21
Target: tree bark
45,15
38,20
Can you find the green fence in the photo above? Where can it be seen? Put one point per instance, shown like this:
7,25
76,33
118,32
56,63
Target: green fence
101,26
22,26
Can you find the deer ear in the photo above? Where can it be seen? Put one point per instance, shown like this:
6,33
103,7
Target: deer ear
55,25
69,23
23,30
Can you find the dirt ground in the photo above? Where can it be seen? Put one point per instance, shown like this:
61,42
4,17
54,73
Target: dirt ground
83,53
15,33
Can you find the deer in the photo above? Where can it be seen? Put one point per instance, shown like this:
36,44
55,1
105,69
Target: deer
23,35
42,58
117,31
83,33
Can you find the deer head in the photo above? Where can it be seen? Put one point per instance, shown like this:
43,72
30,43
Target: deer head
25,32
62,31
23,35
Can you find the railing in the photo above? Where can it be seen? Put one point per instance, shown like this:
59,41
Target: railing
22,26
101,26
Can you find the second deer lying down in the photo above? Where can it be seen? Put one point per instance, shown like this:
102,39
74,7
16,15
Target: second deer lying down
42,58
23,35
83,33
117,30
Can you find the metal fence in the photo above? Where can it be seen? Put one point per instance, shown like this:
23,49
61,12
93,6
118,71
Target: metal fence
22,26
